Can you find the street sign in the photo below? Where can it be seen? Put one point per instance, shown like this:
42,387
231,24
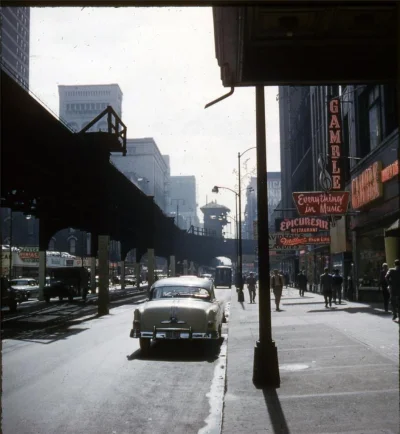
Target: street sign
320,203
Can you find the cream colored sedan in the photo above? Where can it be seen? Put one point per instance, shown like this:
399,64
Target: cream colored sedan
179,308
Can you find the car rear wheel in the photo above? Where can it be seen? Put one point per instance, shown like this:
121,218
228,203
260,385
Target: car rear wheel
61,298
70,298
47,298
144,346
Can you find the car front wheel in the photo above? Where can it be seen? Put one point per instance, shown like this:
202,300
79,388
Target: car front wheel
144,346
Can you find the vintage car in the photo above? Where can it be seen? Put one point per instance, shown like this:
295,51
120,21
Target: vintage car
25,288
179,308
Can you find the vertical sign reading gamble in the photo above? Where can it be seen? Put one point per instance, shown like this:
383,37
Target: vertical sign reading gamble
335,144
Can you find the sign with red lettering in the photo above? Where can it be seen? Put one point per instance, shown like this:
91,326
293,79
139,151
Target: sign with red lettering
301,225
298,240
320,203
390,171
367,187
29,254
335,144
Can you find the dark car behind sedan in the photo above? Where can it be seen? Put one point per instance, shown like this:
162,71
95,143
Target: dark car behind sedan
60,289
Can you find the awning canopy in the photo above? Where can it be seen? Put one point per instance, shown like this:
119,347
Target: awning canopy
393,230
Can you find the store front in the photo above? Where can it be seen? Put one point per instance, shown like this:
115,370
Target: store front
375,199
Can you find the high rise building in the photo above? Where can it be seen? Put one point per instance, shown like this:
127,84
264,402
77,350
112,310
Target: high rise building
15,22
250,212
79,105
183,199
144,162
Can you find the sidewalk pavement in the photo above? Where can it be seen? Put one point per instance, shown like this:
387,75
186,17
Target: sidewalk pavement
339,369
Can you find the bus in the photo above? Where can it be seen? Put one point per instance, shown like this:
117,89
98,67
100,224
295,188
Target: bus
223,276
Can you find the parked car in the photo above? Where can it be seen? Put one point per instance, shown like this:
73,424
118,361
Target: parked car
26,286
179,308
130,279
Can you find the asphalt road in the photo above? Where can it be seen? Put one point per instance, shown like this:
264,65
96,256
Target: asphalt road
90,378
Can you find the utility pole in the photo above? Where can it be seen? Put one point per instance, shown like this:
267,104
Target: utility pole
177,209
266,368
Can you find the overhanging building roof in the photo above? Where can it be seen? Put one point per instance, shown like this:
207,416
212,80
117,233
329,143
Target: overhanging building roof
297,42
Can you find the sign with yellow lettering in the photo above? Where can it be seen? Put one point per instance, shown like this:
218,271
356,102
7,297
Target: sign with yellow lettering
367,187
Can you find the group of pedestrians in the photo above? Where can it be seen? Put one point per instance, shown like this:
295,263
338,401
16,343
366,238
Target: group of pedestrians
331,286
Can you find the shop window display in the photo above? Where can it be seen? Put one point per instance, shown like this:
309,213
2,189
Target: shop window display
371,248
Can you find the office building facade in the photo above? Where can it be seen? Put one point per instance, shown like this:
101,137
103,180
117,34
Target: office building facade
15,34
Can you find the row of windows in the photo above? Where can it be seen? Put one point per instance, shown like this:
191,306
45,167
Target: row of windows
21,15
21,43
88,93
86,107
21,55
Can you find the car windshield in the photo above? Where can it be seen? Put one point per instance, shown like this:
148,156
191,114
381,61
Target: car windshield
21,282
181,292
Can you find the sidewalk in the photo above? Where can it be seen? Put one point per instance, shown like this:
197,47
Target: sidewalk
339,369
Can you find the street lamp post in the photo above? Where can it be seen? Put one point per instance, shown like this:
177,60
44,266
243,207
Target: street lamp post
177,209
240,155
238,241
10,261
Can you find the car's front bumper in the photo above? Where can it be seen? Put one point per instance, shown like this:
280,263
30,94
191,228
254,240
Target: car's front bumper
174,334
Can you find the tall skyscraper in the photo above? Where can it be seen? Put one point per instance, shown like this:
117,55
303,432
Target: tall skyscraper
183,194
145,164
81,104
15,42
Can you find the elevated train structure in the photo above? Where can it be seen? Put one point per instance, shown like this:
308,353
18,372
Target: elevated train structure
66,179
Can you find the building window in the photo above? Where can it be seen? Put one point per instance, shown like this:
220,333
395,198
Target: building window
374,118
72,246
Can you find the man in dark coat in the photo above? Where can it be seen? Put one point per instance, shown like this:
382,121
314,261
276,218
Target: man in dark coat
384,286
302,282
393,279
326,287
337,281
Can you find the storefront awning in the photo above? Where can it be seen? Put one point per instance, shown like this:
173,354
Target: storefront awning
393,230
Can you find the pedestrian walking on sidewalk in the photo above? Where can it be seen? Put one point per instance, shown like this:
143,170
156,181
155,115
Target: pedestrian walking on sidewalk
326,286
251,285
383,284
393,279
277,287
337,281
302,282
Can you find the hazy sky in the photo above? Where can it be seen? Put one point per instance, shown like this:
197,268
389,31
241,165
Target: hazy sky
164,61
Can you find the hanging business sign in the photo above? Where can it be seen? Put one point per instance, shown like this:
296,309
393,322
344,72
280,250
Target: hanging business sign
29,254
367,187
299,240
276,245
301,225
390,171
335,145
319,203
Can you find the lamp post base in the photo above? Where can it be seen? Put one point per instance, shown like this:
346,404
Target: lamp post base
266,367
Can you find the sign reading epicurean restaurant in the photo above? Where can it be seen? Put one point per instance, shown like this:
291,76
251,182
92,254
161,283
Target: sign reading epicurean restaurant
367,186
335,144
319,203
301,225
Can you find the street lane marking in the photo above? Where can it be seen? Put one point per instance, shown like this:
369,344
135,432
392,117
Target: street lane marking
329,395
216,394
